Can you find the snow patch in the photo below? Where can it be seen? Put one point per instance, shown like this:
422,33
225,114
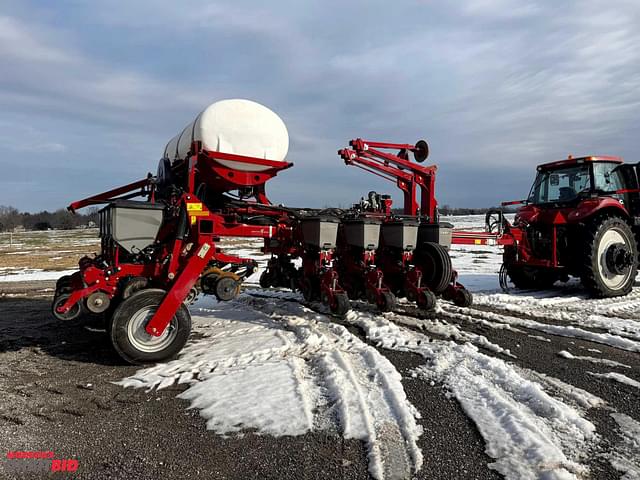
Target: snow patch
602,361
529,433
33,275
626,457
473,315
275,367
618,377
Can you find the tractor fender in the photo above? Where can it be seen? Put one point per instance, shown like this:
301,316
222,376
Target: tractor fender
592,206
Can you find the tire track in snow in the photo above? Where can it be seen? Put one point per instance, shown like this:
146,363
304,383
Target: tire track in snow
528,432
626,457
369,391
289,362
475,315
619,316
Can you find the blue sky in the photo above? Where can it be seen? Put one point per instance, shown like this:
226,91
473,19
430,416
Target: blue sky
90,91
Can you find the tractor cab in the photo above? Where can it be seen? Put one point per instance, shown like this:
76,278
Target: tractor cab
567,182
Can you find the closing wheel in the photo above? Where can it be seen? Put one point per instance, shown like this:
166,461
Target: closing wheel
226,289
265,279
98,302
73,313
463,297
340,305
426,300
435,263
192,296
131,340
386,302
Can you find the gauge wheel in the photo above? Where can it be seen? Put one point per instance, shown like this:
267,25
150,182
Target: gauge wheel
63,284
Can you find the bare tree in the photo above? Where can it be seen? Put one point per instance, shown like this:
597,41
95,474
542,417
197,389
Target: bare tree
10,218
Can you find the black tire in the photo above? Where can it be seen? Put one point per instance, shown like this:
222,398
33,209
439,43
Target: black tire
427,300
598,276
435,263
388,302
133,285
307,290
72,314
133,344
341,304
463,298
265,279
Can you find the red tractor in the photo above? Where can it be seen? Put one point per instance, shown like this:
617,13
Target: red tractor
581,219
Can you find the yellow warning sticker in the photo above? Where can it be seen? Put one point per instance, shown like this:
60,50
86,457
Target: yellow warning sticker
193,219
477,241
194,207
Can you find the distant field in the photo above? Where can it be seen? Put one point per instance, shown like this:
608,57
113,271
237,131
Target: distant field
54,250
28,256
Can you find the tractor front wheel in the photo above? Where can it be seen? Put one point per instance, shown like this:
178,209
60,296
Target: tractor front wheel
131,340
610,256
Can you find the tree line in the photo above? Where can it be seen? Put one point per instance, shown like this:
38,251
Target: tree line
11,218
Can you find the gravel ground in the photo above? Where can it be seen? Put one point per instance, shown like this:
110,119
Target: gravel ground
58,396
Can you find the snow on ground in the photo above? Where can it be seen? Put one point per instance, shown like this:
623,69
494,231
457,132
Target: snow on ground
272,366
626,457
31,274
602,361
473,315
275,367
529,433
281,369
618,377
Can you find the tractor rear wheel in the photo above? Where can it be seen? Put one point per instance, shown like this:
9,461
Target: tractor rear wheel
610,256
435,263
131,340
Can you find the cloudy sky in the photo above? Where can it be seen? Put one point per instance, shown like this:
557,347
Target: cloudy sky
90,91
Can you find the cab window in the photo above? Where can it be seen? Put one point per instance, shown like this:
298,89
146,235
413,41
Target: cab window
605,178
